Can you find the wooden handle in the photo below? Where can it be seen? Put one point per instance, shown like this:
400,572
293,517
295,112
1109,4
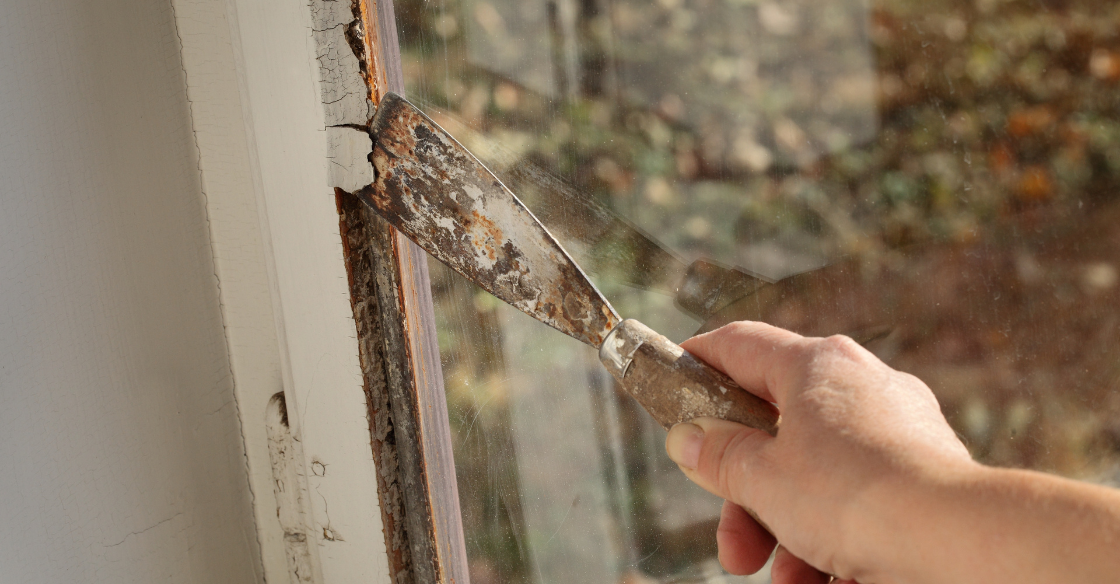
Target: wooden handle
674,386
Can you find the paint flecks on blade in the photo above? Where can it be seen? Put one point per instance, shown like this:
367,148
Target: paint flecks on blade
440,196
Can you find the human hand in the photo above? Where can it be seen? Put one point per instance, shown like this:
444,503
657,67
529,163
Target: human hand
854,432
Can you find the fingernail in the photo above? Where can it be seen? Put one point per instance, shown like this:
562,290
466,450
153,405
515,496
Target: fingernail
683,444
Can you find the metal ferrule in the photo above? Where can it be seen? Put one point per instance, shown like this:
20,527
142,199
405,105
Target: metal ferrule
618,348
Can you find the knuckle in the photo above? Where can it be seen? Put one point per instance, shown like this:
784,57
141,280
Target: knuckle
844,345
765,464
806,349
908,379
916,386
741,328
834,350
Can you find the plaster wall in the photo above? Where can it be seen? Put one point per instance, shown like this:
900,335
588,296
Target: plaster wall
119,435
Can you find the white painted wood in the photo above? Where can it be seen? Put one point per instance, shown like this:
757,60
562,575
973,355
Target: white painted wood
279,70
240,262
344,93
290,486
123,459
349,151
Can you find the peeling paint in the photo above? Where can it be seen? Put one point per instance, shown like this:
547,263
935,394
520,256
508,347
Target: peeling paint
342,87
348,153
290,487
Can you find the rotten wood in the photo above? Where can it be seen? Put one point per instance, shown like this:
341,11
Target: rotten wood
362,272
410,432
394,316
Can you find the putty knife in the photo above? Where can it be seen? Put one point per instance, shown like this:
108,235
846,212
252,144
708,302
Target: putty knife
439,195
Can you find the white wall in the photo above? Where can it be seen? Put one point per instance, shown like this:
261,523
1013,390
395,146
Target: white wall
119,439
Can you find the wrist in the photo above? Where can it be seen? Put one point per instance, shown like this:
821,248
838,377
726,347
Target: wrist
895,529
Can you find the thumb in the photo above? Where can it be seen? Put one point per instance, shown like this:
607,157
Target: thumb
722,457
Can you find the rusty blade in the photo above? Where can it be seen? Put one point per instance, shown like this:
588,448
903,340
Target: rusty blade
602,242
440,196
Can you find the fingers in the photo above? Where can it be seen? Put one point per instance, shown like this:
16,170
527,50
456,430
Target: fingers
754,354
789,569
744,546
719,456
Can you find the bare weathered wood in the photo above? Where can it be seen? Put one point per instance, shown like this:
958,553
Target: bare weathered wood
373,67
362,271
408,414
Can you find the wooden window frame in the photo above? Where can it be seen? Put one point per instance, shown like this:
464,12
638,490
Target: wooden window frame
280,95
402,377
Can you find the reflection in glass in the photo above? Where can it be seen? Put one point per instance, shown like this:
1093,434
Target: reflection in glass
938,180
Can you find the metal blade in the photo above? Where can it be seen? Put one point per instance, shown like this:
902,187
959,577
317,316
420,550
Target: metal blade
604,243
440,196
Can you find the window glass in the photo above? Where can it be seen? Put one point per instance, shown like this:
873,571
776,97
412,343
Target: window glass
936,179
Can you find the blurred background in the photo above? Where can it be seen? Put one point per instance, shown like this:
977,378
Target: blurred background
937,179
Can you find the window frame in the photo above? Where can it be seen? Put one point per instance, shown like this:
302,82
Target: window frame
402,376
278,107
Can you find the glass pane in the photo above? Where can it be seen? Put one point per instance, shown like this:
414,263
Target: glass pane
936,179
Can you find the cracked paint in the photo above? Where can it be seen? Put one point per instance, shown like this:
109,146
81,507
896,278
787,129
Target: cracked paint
343,89
290,487
145,530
